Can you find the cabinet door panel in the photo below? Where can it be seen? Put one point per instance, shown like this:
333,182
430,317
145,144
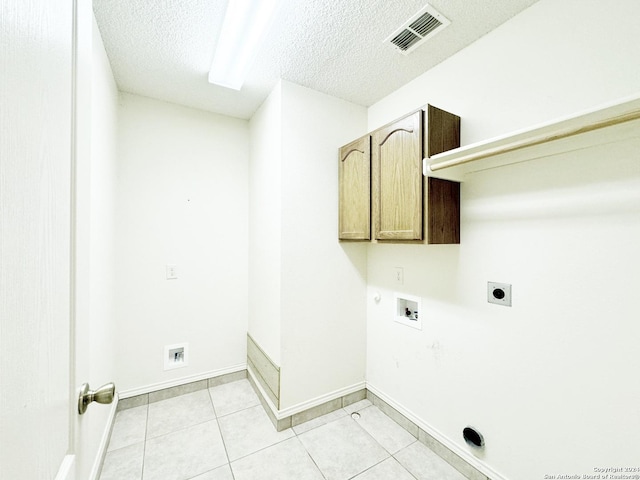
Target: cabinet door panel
355,190
397,179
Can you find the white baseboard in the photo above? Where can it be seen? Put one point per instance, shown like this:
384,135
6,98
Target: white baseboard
263,392
439,436
314,402
301,407
181,381
67,466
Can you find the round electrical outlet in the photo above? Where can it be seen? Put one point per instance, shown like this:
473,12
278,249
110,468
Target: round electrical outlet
498,293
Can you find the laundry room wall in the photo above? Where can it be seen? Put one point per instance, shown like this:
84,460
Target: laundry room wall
550,382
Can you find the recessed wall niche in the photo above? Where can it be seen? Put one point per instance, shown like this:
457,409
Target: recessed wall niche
408,310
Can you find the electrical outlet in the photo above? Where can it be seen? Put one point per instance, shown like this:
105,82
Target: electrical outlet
499,293
172,272
398,275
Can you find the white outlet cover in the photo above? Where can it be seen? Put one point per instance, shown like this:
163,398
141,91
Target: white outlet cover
172,272
398,275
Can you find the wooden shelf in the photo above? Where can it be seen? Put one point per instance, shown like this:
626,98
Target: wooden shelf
608,123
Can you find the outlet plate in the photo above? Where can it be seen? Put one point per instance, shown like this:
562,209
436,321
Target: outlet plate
499,293
398,275
172,272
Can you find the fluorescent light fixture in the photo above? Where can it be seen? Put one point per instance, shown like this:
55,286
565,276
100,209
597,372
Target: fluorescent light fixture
245,24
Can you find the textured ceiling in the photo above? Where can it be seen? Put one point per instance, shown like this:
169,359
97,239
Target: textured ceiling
163,48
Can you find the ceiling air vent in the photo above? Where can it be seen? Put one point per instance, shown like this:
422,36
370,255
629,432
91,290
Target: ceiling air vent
423,25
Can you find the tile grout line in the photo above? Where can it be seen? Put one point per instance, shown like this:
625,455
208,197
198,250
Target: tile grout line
181,428
144,446
400,463
390,455
371,435
263,448
312,460
369,468
224,444
295,434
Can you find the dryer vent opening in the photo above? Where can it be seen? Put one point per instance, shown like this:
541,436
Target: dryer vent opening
473,437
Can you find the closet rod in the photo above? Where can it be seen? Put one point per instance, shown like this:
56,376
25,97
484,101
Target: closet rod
560,133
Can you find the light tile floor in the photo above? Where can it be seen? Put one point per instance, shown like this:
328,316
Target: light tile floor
223,433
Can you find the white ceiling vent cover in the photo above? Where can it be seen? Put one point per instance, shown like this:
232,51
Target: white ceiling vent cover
423,25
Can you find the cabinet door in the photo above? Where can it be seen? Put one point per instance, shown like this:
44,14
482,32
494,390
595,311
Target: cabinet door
355,190
396,155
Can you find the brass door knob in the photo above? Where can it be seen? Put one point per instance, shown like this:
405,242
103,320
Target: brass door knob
104,395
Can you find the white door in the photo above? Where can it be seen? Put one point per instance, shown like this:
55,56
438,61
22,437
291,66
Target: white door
37,387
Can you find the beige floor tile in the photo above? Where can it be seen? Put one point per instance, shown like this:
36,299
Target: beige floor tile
285,460
180,438
423,464
386,432
233,397
124,463
390,469
248,431
220,473
180,412
185,453
342,449
129,427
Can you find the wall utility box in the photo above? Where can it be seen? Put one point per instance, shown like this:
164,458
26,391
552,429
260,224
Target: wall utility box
408,310
499,293
176,356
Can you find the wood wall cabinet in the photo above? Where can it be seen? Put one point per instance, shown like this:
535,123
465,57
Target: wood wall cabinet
404,205
441,197
396,165
355,190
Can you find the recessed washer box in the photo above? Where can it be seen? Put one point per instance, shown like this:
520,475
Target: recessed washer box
176,356
407,310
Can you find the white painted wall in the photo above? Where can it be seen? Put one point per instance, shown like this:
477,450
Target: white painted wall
553,59
186,195
323,280
307,291
183,200
265,224
551,382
